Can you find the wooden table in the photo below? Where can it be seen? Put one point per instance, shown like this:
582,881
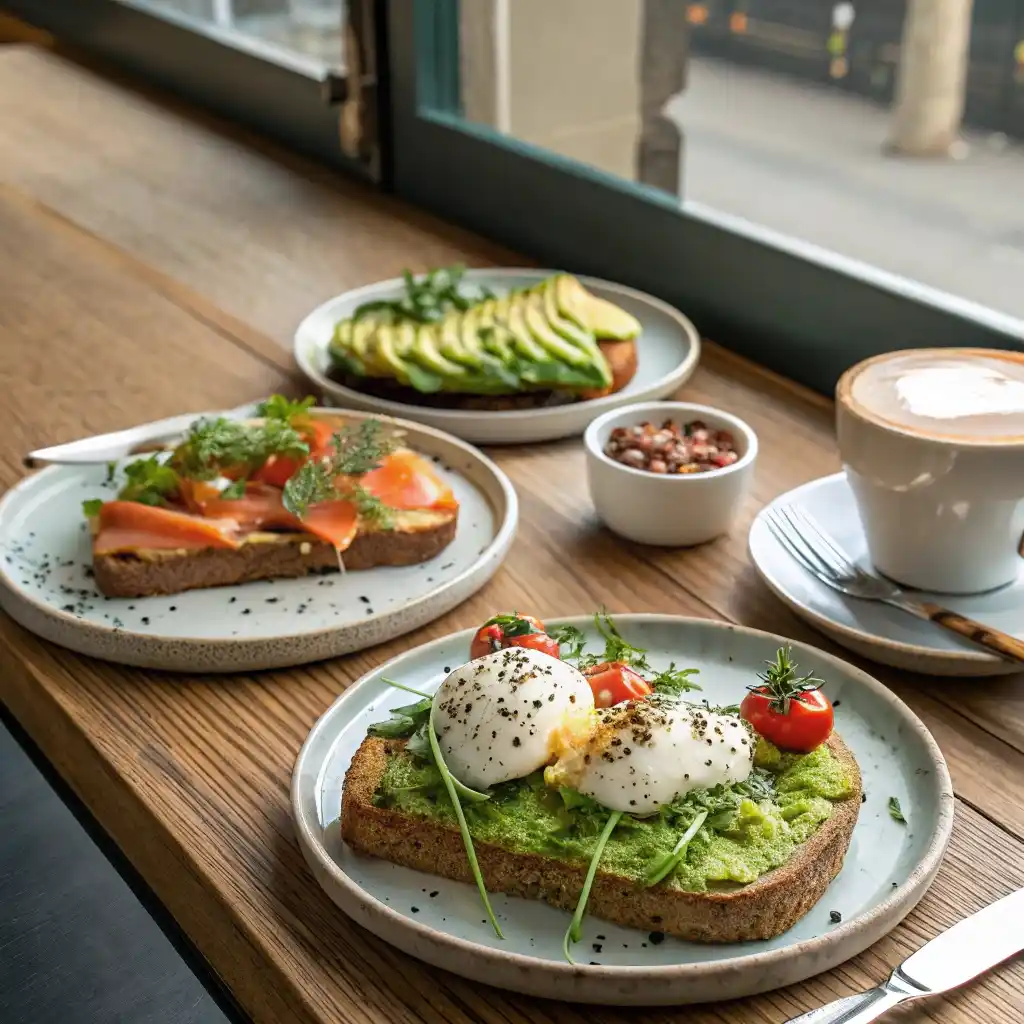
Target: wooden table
152,261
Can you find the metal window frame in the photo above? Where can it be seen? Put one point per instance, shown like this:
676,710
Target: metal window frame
799,309
265,88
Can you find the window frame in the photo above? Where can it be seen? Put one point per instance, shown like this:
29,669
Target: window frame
792,306
268,89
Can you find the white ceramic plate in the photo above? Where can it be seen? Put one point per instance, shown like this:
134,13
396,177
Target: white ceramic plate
667,351
45,580
874,630
887,869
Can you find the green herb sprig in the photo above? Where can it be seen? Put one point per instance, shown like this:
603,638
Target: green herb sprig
895,811
149,481
358,449
782,683
427,299
412,716
213,446
667,864
277,407
675,681
575,930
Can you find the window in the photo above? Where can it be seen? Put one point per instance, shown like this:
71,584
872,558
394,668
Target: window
302,71
744,159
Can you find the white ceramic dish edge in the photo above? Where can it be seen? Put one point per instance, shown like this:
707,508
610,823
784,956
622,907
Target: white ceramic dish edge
646,986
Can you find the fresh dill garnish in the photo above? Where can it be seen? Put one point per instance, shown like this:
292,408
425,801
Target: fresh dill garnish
358,449
149,482
92,507
213,446
427,299
277,407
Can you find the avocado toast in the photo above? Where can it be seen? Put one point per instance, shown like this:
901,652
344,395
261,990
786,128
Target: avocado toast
283,495
649,810
442,344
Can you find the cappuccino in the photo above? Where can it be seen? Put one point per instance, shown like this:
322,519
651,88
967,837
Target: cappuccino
968,396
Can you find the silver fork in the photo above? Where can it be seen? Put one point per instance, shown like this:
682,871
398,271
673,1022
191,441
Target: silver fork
811,546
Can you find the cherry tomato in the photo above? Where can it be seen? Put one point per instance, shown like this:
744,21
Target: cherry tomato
805,725
525,630
614,681
279,469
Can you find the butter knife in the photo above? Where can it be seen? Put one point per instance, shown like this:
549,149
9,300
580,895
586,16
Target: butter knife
116,445
971,947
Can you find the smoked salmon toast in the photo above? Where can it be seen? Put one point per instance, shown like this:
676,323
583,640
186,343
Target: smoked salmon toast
283,495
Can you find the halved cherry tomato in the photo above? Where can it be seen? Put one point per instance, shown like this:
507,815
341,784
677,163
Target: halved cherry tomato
279,469
614,681
804,725
511,631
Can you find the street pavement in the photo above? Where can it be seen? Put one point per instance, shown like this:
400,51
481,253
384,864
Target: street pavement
808,161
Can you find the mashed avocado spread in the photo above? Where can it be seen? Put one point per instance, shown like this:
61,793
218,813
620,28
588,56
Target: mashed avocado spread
751,827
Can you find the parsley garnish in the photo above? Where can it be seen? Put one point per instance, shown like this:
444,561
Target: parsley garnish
149,482
213,446
512,625
92,507
675,681
895,811
615,648
571,639
358,449
277,407
234,490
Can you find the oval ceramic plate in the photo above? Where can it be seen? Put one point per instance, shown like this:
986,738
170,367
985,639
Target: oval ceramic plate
887,869
46,585
870,629
667,353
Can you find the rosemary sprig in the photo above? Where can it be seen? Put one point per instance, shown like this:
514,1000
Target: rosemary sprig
781,682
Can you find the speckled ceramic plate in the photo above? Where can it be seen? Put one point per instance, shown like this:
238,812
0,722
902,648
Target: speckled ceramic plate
667,353
887,869
46,584
874,630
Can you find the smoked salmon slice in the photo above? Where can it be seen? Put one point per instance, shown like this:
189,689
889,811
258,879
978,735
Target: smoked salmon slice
131,526
405,480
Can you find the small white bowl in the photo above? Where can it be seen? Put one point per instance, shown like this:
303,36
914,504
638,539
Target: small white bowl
669,510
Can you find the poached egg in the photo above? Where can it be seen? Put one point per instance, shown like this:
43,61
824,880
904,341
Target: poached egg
510,713
645,753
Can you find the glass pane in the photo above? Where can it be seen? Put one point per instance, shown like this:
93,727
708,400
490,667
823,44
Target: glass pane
311,28
885,130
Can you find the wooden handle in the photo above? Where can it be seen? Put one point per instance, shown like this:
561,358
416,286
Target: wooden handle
993,639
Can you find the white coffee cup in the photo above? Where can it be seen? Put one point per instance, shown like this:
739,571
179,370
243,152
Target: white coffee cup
932,441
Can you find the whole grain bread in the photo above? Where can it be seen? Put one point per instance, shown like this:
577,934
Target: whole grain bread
739,913
417,537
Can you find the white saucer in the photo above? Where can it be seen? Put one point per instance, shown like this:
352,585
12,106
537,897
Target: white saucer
874,630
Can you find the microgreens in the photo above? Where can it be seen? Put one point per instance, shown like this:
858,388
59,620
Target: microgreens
667,864
575,930
427,299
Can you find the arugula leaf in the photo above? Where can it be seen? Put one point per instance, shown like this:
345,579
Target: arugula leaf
675,681
895,811
92,507
404,721
277,407
358,449
574,931
149,482
427,299
667,864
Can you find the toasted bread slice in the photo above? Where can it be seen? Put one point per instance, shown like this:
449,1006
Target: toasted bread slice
418,535
760,910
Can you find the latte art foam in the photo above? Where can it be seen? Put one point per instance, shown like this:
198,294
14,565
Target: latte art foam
948,393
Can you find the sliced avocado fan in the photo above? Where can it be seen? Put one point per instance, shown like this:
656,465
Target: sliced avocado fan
541,337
